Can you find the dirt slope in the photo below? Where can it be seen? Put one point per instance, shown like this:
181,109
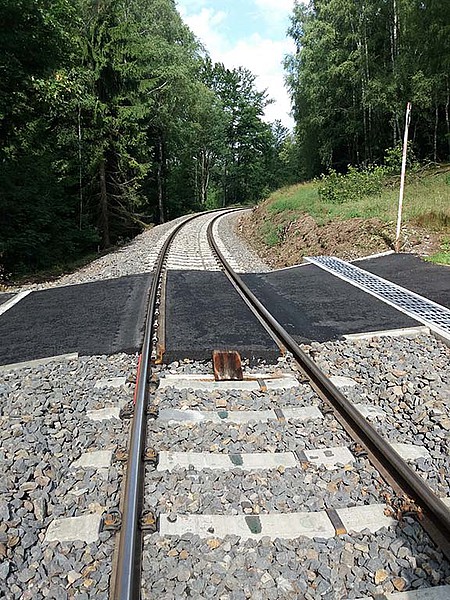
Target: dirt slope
347,239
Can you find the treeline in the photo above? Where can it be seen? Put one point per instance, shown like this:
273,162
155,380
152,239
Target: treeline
113,117
356,66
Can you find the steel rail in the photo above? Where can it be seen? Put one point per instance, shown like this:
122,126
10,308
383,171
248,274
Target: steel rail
127,573
437,515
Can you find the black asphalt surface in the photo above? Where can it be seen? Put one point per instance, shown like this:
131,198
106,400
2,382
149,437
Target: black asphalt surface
313,305
412,273
104,317
205,313
5,297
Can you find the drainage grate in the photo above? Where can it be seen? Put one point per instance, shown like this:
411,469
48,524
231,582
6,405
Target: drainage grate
435,316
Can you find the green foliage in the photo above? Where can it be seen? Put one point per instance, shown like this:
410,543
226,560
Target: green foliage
241,169
393,159
39,221
356,66
365,181
285,201
338,188
213,199
40,229
111,118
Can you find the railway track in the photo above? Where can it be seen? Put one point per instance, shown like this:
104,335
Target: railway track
253,477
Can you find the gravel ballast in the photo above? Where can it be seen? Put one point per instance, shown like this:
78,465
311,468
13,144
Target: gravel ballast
399,558
409,380
350,566
44,429
244,258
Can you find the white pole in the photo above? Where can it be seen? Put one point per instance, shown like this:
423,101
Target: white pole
402,180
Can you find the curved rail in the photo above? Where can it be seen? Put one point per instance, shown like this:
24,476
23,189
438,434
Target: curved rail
399,474
127,573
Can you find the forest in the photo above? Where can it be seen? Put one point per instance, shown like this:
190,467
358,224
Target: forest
113,116
357,64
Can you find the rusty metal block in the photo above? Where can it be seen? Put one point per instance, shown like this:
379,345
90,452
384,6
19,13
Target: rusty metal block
227,365
335,519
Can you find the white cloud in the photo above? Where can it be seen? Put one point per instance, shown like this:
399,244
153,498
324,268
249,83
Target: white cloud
275,9
191,5
283,5
261,55
205,25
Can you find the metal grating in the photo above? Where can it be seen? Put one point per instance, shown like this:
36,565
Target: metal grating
433,315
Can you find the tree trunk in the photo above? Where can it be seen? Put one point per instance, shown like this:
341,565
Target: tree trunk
224,184
436,123
394,54
395,33
368,117
447,119
104,216
159,178
80,170
204,176
365,128
196,186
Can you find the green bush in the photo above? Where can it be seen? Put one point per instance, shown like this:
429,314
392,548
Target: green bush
337,188
393,159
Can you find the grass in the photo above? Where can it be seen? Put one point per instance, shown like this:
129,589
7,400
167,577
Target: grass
443,256
294,198
426,204
271,234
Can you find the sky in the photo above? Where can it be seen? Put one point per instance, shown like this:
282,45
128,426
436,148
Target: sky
247,33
